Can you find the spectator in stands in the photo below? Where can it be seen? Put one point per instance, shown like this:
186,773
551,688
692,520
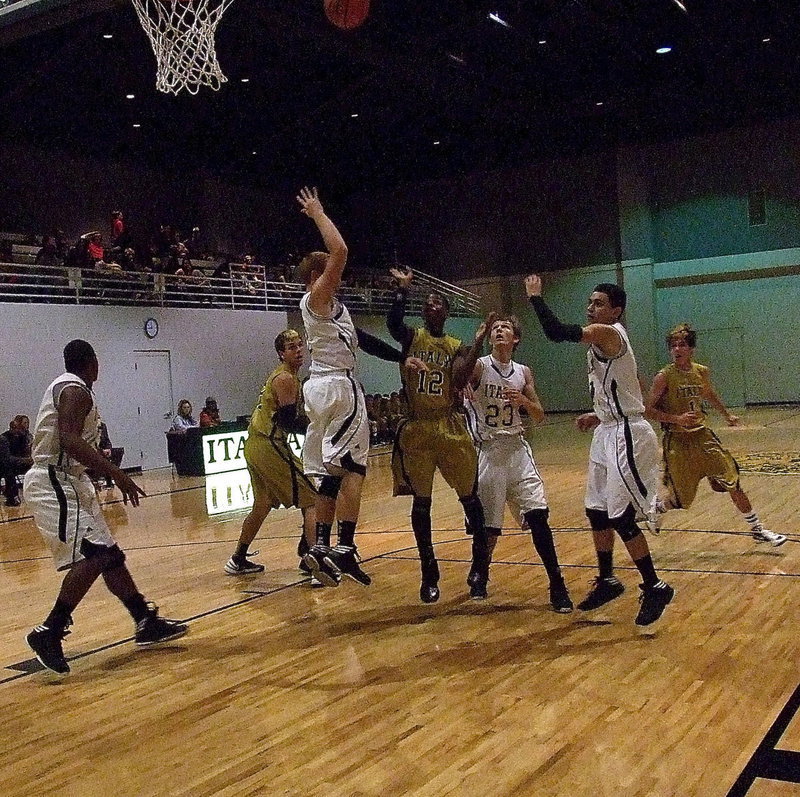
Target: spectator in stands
15,456
48,254
209,415
117,227
94,247
194,244
183,420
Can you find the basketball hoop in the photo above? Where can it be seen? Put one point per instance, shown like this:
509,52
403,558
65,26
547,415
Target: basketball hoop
181,33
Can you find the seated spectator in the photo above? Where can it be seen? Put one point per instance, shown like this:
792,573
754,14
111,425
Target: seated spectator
105,447
48,254
209,415
15,456
94,247
183,420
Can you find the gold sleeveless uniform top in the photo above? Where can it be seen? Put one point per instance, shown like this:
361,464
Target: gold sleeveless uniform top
261,419
684,394
430,394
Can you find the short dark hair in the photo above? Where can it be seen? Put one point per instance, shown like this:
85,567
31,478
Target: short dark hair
283,338
683,331
616,295
313,261
77,354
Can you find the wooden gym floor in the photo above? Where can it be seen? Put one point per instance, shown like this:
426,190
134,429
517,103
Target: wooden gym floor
282,690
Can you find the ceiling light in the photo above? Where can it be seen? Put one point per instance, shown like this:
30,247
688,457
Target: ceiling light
245,80
664,50
542,41
254,152
435,143
498,19
129,96
136,124
766,40
354,116
108,35
598,104
457,58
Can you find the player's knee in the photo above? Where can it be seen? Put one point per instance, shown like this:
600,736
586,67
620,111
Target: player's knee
537,520
329,486
598,519
625,524
109,559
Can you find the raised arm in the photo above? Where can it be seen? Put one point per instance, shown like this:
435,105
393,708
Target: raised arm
465,359
603,336
394,320
325,287
382,350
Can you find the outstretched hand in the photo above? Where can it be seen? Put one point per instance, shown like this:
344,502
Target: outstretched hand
403,277
129,489
309,202
533,285
483,330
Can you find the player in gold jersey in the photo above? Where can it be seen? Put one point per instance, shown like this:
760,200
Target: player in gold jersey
435,434
691,449
276,473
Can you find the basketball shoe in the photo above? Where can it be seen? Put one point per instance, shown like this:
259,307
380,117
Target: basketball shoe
429,588
46,644
653,601
242,566
765,535
320,568
559,597
345,559
604,590
153,629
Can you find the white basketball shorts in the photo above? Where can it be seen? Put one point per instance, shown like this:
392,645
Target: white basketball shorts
623,467
67,512
508,472
337,438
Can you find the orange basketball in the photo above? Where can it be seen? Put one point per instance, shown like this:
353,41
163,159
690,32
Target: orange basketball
346,14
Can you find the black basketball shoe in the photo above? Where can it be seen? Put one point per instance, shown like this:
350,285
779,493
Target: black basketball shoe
320,568
345,559
429,589
603,591
653,602
154,629
46,644
559,597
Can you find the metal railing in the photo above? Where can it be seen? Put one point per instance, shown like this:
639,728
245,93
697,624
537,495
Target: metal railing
239,291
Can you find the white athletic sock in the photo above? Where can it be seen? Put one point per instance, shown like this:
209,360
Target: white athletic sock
753,521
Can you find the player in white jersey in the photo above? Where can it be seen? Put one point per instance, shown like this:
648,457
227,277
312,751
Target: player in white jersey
503,392
337,439
68,514
623,472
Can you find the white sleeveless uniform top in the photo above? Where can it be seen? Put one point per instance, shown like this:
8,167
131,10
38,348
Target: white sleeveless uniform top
47,448
492,417
613,382
331,339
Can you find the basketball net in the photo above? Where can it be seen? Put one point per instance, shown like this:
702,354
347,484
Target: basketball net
181,33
